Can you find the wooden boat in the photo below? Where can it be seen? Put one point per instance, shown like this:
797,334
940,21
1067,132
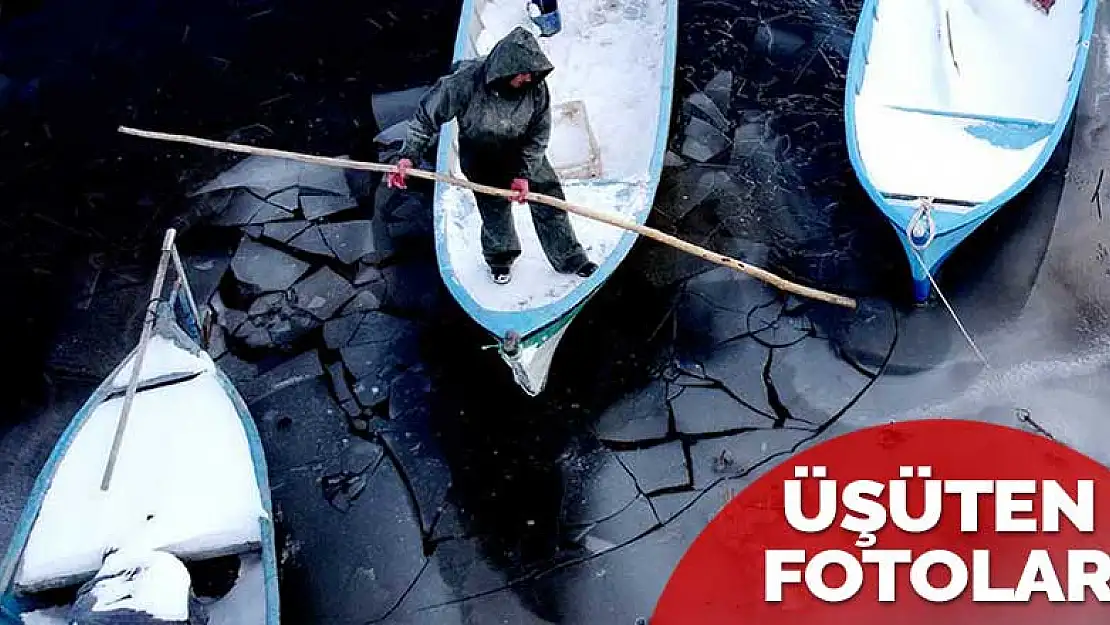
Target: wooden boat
189,478
953,107
611,89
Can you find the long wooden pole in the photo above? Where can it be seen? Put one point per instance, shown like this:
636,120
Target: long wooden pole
613,220
137,364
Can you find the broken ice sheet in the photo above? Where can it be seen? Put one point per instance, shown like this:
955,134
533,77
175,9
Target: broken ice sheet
318,205
703,142
596,488
659,467
267,175
264,267
698,103
640,415
780,46
394,134
322,293
349,240
702,410
813,382
339,331
286,198
357,463
773,327
719,90
683,191
739,367
300,426
247,208
733,455
283,231
299,369
393,107
312,241
716,304
340,387
421,462
365,301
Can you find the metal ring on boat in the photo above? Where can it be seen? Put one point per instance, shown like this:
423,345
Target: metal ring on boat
921,229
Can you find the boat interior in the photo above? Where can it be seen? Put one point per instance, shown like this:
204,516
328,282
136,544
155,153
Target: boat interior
605,125
184,483
958,98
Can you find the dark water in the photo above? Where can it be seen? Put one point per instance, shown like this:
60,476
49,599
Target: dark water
473,471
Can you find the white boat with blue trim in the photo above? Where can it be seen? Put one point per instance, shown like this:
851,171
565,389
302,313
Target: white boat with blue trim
162,466
611,92
952,107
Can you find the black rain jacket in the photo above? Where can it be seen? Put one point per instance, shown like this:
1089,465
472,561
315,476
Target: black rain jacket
497,123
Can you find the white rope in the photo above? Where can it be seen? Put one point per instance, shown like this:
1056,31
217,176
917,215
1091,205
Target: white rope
922,224
951,311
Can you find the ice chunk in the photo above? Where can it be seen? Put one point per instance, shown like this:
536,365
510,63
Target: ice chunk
379,327
659,467
338,331
719,89
699,104
746,140
267,175
703,142
264,267
284,231
365,301
372,391
247,208
640,415
779,45
349,240
339,384
275,322
688,189
322,293
393,135
396,106
317,206
311,241
304,367
707,410
670,159
286,198
368,274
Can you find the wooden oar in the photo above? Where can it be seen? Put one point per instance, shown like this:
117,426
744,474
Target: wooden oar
613,220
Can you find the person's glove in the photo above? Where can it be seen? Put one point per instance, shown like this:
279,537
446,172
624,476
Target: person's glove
396,178
520,185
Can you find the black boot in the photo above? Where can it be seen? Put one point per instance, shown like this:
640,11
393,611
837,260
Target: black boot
587,270
501,275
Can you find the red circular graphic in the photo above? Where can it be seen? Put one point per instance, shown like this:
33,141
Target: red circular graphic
721,578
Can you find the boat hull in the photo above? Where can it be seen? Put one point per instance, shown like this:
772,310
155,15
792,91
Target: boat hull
940,134
25,571
529,317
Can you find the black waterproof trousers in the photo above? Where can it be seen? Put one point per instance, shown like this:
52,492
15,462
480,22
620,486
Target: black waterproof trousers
500,243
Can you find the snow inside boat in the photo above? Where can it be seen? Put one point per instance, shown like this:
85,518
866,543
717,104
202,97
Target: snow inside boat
189,479
611,93
953,107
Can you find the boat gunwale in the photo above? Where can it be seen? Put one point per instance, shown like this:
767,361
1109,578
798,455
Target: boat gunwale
534,320
948,223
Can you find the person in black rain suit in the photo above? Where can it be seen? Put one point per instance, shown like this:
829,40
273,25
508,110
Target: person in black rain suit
503,108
